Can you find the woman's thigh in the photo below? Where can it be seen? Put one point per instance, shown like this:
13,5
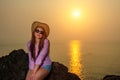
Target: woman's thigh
41,74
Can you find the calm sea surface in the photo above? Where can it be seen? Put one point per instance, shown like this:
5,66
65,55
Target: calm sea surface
89,60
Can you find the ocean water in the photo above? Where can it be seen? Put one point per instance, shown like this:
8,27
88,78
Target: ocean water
88,60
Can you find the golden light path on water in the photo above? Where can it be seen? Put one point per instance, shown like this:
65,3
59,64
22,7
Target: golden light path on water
75,58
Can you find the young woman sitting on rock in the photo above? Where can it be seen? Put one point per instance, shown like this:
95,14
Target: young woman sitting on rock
38,52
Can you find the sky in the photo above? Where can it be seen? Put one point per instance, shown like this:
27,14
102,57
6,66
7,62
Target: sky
99,20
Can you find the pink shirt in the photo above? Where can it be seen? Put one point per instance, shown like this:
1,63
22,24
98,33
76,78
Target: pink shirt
43,57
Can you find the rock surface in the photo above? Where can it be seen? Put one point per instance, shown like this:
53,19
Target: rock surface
15,66
111,77
60,72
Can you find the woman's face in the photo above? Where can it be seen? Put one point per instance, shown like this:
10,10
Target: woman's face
38,33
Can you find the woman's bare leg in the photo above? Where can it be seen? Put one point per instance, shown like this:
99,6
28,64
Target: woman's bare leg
41,74
29,74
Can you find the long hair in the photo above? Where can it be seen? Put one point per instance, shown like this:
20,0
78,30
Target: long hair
40,46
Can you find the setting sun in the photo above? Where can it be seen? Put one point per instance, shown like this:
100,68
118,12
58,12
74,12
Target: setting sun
76,13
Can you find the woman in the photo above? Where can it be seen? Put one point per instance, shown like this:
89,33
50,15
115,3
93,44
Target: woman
38,52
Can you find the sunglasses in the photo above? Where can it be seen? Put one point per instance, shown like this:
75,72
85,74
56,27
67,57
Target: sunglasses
38,31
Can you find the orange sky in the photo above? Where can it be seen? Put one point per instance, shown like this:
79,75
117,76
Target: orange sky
99,19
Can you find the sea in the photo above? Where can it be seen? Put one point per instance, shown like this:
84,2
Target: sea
88,60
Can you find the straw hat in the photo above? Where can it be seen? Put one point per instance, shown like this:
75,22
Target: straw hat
39,24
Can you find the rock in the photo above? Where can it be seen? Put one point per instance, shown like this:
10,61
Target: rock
111,77
60,72
15,66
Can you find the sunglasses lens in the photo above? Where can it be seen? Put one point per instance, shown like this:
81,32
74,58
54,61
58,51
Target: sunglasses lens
38,31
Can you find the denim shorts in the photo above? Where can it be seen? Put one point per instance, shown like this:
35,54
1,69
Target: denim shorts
47,67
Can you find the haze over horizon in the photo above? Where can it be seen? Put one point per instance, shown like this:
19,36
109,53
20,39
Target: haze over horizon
99,20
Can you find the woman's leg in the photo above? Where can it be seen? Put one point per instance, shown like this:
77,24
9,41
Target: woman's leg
41,74
28,74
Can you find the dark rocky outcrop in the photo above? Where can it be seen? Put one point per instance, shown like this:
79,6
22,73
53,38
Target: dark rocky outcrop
15,66
111,77
60,72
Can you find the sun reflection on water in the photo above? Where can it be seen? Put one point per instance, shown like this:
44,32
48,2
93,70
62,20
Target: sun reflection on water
75,58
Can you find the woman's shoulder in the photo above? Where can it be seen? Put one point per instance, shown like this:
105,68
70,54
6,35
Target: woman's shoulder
46,41
28,43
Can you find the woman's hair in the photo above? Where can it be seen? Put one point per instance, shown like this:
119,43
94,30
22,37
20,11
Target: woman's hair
41,43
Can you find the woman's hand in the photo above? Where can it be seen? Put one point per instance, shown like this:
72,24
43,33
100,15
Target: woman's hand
32,76
36,67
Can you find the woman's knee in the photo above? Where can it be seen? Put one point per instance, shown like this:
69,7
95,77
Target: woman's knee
28,75
39,77
41,74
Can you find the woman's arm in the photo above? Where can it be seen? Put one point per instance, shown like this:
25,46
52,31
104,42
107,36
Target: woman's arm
31,61
41,56
32,77
43,52
36,67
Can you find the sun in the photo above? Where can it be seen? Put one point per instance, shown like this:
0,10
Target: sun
76,13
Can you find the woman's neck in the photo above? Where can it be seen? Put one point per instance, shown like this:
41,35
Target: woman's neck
37,41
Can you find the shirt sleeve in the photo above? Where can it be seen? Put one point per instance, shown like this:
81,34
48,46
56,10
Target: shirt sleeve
43,52
31,61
